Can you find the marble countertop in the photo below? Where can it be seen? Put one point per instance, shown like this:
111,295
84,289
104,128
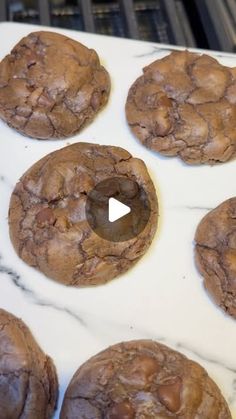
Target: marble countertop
162,297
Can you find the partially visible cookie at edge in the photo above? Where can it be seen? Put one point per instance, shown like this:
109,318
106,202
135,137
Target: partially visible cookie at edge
142,379
28,379
215,254
51,86
185,105
48,222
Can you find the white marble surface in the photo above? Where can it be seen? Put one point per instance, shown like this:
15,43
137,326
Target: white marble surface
162,297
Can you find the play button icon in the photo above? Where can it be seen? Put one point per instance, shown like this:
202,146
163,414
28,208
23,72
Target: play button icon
117,209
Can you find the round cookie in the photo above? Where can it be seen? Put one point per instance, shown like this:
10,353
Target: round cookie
28,380
142,379
215,254
185,105
51,86
47,215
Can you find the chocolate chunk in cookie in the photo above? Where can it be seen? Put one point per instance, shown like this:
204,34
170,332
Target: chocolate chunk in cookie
51,86
28,380
215,254
48,220
142,379
185,105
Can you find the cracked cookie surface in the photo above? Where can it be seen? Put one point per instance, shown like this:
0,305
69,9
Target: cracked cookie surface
215,254
142,380
28,380
51,86
47,215
185,105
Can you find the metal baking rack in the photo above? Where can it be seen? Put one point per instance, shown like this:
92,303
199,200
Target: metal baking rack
191,23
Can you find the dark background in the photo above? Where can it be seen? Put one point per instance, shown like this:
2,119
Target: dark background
192,23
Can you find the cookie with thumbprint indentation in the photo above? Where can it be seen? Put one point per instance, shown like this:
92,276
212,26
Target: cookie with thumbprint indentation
185,105
142,379
215,254
28,380
51,86
50,226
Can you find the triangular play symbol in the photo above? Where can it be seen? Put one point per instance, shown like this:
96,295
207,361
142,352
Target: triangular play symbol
117,210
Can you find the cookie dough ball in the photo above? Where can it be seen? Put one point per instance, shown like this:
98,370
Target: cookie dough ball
47,215
142,379
28,380
215,254
51,86
185,105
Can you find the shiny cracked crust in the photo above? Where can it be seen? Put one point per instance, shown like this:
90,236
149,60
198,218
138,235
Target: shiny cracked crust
142,380
185,105
51,85
47,215
215,254
28,380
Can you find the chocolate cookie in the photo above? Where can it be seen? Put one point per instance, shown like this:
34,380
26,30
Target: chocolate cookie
28,380
51,85
48,221
142,379
215,254
185,105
